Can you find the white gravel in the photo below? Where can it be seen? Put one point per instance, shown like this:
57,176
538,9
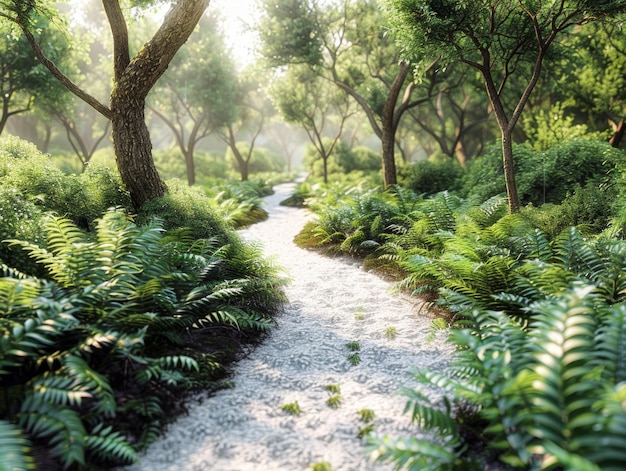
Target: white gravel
331,302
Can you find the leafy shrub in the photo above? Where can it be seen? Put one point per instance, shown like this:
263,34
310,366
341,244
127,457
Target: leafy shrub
544,177
358,158
93,362
101,190
21,219
429,177
82,198
208,165
342,160
262,160
239,203
185,206
589,208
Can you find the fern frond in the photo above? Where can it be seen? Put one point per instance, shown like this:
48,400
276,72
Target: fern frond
431,416
89,382
14,448
414,454
61,427
574,253
610,345
110,446
562,341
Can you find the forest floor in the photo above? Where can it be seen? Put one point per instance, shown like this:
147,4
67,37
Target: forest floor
333,304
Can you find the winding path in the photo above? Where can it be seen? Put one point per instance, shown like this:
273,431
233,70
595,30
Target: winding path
331,302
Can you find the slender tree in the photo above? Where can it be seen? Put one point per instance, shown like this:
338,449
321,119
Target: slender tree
199,93
345,42
252,109
133,78
302,98
505,41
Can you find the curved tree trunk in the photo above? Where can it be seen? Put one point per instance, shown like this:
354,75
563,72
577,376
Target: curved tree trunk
132,81
133,149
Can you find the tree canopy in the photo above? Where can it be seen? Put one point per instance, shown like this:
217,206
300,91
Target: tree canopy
505,41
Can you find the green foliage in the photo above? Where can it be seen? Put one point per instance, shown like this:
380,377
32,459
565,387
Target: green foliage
532,351
208,165
548,176
19,218
541,389
366,415
94,361
262,159
391,332
189,207
239,203
428,177
293,408
354,358
334,401
546,129
35,178
289,33
321,466
342,160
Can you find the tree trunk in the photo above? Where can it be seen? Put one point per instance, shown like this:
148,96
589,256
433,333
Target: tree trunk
191,166
244,170
389,124
388,150
618,134
133,148
509,171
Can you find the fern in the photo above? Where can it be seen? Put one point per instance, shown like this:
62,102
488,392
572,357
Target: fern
106,444
14,448
610,345
59,426
414,454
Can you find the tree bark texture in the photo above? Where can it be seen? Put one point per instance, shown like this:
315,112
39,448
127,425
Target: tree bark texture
509,171
389,124
134,78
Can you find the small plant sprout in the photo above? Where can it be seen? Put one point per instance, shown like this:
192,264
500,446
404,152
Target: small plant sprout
391,332
293,408
321,466
354,358
367,415
333,388
358,315
334,401
364,431
355,347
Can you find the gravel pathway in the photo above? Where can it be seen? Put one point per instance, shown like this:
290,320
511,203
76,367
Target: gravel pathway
332,302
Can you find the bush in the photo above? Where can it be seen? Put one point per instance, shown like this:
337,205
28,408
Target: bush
19,219
35,178
342,160
189,207
428,177
544,177
590,208
262,160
